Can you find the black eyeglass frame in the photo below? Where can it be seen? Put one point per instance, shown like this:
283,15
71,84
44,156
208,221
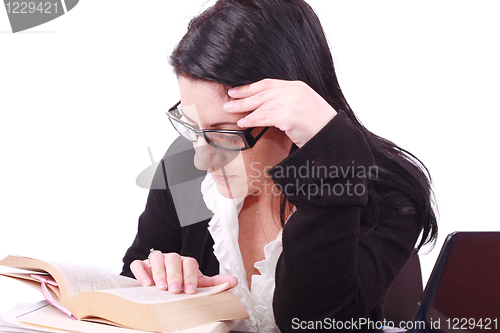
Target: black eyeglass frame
246,135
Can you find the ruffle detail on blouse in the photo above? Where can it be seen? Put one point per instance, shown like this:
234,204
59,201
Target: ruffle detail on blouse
263,285
224,229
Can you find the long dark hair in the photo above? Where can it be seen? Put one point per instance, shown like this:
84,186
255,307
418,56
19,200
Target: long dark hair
237,42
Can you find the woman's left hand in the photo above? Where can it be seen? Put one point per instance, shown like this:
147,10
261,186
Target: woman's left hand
291,106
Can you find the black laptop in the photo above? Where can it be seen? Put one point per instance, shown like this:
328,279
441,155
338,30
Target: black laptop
463,291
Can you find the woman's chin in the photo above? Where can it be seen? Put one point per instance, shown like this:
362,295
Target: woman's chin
232,191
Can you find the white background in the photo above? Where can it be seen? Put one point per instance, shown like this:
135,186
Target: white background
83,96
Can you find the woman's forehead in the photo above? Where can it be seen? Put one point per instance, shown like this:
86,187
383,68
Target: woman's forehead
202,102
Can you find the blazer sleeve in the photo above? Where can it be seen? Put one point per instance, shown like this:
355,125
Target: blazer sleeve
337,261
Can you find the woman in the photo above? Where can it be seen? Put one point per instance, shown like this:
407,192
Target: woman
314,216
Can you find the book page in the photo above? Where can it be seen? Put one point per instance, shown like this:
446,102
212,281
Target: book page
41,317
150,295
45,318
84,278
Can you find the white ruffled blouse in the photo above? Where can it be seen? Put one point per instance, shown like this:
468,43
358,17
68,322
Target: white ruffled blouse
224,229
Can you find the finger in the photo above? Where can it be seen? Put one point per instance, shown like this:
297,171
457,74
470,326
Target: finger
142,272
157,263
250,103
255,87
210,281
267,115
190,271
174,272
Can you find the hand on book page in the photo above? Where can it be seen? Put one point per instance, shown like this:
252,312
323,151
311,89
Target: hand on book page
175,273
93,295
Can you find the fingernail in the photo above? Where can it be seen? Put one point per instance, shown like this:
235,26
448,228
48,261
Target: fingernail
146,282
242,122
233,91
190,288
228,106
162,283
174,287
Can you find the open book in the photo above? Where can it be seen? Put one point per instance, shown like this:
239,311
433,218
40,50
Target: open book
92,294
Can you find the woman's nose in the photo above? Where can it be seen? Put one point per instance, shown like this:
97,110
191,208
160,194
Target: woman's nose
202,155
210,158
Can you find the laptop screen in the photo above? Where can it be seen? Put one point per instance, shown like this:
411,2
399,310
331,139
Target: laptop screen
463,292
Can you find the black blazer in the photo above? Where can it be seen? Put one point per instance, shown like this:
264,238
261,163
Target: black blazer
338,259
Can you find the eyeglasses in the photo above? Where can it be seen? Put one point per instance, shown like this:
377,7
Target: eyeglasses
232,140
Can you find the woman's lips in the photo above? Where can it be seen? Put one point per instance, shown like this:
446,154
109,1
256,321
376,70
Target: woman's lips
222,178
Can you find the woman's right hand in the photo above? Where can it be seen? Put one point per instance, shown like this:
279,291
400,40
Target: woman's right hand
173,272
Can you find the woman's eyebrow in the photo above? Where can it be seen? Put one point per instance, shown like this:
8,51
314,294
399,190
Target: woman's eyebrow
223,123
212,125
